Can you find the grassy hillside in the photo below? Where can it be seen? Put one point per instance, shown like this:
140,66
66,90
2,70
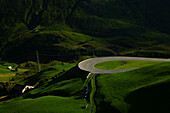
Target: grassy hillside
113,65
46,104
123,26
138,91
60,84
69,83
66,46
48,71
84,14
6,74
60,45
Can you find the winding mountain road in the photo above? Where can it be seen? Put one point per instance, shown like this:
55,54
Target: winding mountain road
88,65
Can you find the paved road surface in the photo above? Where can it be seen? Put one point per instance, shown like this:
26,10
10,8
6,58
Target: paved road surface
88,65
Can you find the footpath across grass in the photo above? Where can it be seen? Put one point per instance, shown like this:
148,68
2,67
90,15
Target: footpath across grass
144,90
113,65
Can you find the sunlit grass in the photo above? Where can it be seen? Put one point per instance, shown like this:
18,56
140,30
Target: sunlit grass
115,88
113,65
46,104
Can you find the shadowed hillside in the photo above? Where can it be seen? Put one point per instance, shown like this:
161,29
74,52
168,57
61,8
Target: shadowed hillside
124,27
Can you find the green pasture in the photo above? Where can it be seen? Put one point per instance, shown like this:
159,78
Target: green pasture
52,69
65,90
113,65
137,91
6,74
45,104
69,83
143,90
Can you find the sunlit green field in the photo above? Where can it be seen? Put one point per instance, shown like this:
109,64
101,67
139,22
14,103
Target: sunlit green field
136,91
46,104
113,65
58,91
6,74
143,90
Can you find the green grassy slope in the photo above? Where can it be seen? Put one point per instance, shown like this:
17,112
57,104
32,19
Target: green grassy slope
113,65
60,45
138,91
123,26
86,15
6,74
46,104
70,83
66,45
49,71
58,87
138,12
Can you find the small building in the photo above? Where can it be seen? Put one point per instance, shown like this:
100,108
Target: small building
20,89
26,88
9,67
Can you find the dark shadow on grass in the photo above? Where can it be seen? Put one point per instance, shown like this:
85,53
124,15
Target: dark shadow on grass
103,106
106,107
152,99
71,74
5,99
